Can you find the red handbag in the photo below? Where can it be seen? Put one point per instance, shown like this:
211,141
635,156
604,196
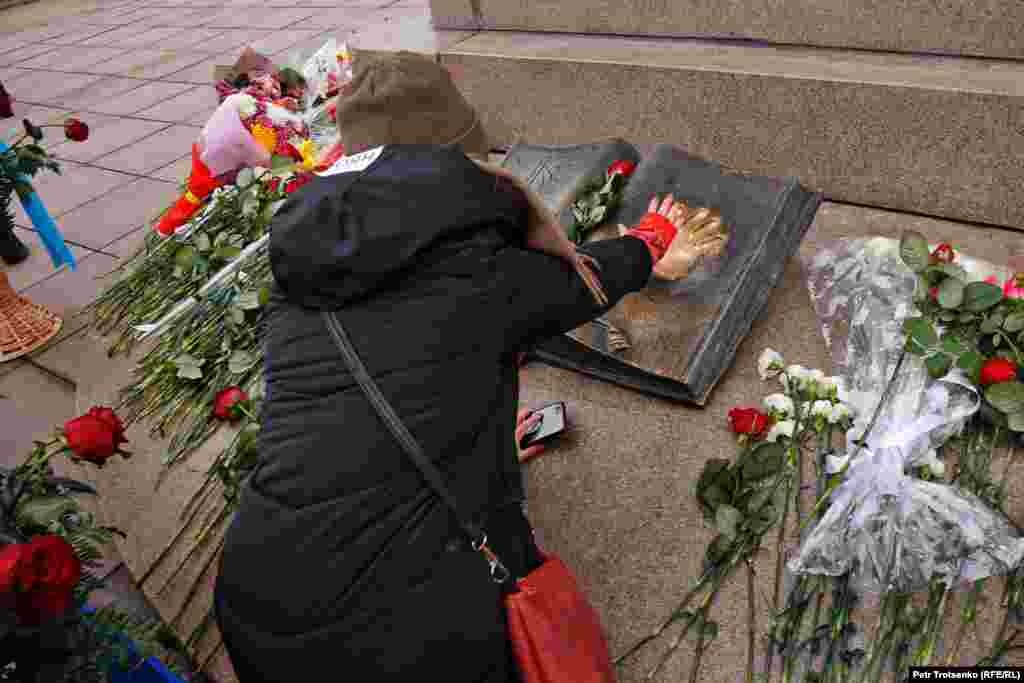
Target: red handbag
556,635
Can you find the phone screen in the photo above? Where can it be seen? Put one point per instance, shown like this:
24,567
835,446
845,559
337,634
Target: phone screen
552,423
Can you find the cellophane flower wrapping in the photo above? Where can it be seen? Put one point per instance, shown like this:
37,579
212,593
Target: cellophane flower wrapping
888,529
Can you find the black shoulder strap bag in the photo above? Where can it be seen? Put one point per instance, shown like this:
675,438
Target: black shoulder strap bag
556,635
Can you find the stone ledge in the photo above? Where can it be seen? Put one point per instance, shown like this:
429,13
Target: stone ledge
984,28
942,136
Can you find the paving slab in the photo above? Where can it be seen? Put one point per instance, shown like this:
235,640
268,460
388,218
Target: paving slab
102,91
35,404
76,185
153,152
107,133
195,101
147,95
106,219
68,292
38,266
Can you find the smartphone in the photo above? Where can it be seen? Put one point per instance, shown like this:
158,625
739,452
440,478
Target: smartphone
551,424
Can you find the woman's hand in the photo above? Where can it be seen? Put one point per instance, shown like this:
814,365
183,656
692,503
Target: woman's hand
526,420
700,233
543,233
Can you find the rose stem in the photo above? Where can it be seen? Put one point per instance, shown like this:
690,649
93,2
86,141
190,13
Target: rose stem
196,583
700,638
668,622
779,568
751,622
200,541
167,549
213,653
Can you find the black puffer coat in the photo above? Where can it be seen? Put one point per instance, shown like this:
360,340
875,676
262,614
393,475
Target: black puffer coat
341,559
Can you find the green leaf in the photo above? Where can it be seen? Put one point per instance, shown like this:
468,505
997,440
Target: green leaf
948,269
249,301
597,215
264,296
966,318
240,361
971,363
951,293
1015,421
238,316
710,631
954,345
1014,322
227,253
727,521
714,487
763,461
990,324
921,336
202,242
43,510
997,339
682,614
938,365
947,316
914,251
981,296
190,372
279,162
1007,397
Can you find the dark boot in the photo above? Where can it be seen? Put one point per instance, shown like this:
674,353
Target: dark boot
5,104
12,250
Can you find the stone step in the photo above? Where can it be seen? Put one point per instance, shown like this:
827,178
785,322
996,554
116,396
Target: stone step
984,28
942,136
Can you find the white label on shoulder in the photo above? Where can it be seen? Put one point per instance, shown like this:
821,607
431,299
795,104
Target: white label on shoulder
356,162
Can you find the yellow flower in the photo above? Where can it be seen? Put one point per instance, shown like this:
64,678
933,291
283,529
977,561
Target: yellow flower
308,151
265,136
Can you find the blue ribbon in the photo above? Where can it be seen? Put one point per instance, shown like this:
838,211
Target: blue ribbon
43,222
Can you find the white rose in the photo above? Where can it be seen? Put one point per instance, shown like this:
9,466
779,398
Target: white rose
793,378
822,409
830,386
770,363
840,413
813,379
779,404
784,428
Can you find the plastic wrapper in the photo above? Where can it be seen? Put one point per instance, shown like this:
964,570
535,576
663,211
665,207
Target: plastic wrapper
226,144
888,529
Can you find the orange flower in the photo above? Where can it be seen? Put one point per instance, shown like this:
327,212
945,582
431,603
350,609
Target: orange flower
265,136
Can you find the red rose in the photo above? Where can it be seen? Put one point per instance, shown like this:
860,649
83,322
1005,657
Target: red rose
998,370
76,130
623,167
108,416
748,421
12,558
38,578
53,563
273,183
226,404
943,254
934,293
90,438
39,607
